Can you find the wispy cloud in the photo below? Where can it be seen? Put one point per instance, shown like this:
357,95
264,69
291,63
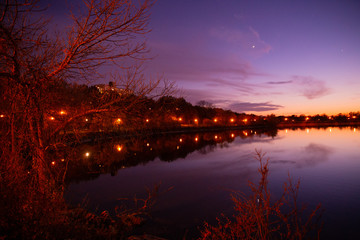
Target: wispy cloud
253,107
310,87
279,82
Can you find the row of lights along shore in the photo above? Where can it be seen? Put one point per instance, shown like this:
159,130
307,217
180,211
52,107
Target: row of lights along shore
119,147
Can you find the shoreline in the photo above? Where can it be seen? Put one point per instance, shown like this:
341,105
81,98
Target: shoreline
102,135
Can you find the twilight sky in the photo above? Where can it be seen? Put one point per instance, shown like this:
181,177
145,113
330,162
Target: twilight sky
257,56
262,57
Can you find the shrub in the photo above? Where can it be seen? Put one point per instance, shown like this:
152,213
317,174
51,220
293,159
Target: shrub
258,216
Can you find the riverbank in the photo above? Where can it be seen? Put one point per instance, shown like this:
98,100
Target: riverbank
103,135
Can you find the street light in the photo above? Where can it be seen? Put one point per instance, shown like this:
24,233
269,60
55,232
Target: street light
118,148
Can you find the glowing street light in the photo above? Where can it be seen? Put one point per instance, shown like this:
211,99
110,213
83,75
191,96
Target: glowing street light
196,139
180,119
215,120
245,120
87,154
232,120
147,120
62,112
118,148
52,118
2,115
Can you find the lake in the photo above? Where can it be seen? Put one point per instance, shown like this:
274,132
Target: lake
203,169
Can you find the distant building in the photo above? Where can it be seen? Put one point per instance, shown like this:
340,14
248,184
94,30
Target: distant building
103,88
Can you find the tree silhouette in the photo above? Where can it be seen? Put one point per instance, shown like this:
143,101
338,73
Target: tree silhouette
35,71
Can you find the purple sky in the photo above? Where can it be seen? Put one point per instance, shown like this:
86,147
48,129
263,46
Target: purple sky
262,57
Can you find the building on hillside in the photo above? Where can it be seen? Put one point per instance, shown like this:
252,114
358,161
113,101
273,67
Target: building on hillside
103,88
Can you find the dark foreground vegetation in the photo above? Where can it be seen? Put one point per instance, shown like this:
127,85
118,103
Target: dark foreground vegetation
260,216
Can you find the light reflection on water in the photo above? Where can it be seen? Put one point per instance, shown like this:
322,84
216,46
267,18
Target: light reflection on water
327,161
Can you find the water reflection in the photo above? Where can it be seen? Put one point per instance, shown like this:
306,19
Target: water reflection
202,167
314,154
98,157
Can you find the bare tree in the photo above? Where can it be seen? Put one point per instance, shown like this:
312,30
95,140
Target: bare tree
34,65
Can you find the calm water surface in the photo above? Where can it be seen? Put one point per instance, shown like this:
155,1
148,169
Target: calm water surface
203,169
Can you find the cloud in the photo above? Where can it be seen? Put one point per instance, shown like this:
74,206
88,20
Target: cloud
243,87
279,83
248,40
195,95
253,107
310,87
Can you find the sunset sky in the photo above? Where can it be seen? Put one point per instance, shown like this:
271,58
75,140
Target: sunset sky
261,57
